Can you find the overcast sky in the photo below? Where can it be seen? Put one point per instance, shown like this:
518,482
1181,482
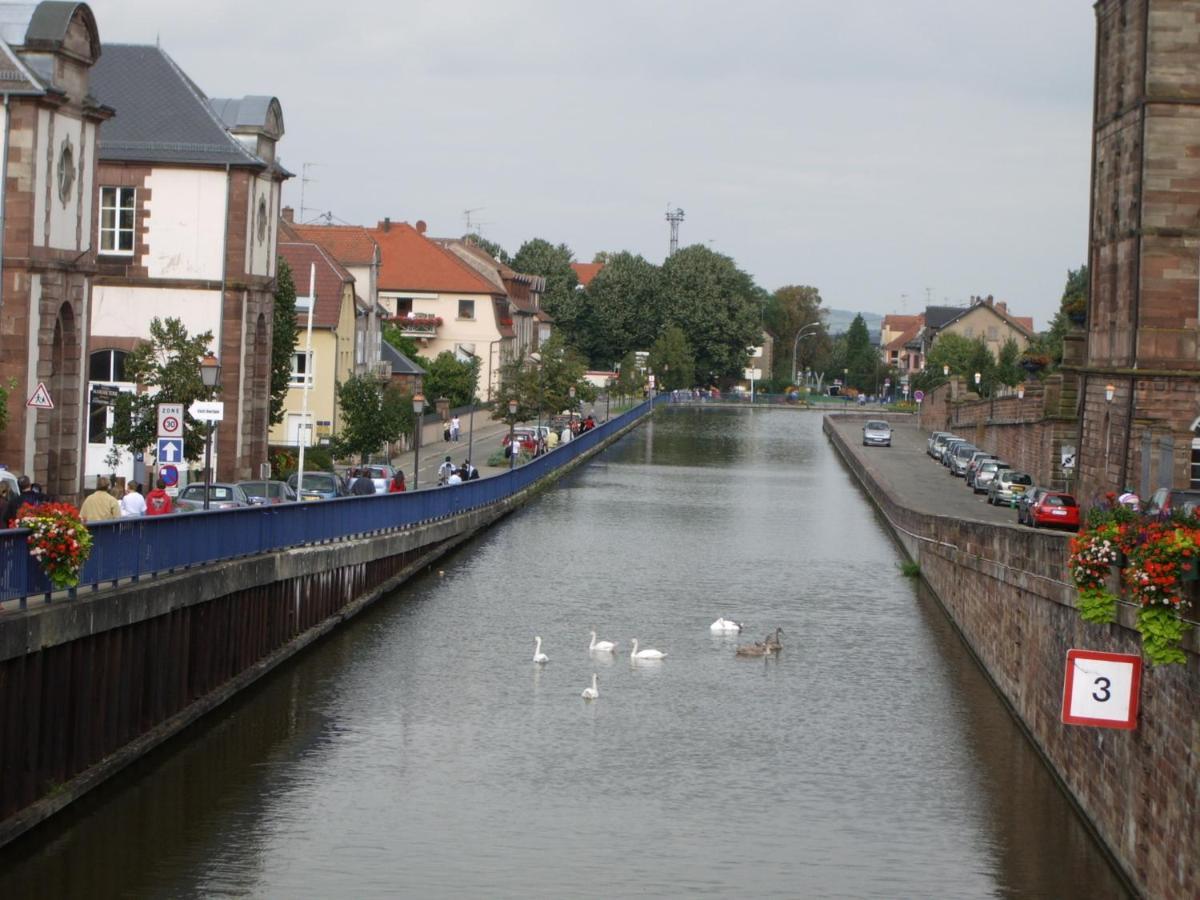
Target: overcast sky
876,149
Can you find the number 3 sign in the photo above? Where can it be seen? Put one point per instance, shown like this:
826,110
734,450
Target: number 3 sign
1101,689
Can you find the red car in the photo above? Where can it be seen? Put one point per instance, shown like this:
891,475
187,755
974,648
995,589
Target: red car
1055,509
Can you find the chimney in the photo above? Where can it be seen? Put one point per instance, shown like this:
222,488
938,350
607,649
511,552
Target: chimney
989,301
289,215
1002,306
386,225
421,226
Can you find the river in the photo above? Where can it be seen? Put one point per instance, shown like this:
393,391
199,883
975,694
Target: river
419,752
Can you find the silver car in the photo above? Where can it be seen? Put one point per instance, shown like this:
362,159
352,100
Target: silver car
1008,486
877,433
985,473
960,457
221,495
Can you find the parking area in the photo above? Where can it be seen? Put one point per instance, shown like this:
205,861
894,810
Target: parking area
912,476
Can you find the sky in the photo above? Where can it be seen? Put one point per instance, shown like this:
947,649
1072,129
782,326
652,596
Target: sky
889,153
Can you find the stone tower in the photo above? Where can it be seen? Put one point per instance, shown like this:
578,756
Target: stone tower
1140,378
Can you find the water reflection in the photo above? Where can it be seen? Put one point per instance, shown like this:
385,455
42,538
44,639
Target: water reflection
419,751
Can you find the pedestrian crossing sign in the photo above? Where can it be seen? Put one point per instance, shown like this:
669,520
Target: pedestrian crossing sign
41,398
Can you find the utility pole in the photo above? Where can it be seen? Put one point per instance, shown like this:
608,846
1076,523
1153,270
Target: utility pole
674,216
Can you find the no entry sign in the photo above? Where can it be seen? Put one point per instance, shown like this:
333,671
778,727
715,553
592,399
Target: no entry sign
1101,689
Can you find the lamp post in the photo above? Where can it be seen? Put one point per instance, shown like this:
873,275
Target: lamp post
210,375
845,384
512,438
978,378
1020,391
796,345
607,397
418,411
571,394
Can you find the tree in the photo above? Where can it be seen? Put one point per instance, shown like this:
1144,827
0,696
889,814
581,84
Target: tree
283,339
786,314
630,379
167,370
372,417
1074,300
490,247
395,336
671,359
861,357
1008,367
621,308
452,378
716,305
544,387
540,257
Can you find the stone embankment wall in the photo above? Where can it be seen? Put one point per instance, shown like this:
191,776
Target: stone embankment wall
1006,590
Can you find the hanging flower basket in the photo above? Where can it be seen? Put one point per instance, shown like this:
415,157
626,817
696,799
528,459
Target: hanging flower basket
58,540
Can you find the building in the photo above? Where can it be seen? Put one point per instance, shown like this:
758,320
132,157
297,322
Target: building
898,345
51,122
187,206
586,272
442,302
984,318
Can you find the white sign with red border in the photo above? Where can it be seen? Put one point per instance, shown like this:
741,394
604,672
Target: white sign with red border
170,420
1101,689
41,398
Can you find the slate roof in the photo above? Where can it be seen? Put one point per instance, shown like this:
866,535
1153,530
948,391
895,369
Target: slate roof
331,280
401,364
351,245
411,262
587,271
39,28
162,116
937,317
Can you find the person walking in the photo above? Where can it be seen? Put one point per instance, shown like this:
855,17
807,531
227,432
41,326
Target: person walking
363,486
133,503
100,505
455,429
397,485
158,501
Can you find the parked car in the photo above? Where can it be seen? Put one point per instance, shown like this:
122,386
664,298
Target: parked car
1165,500
526,437
1027,500
319,486
1054,509
380,475
933,437
877,433
973,464
960,457
268,493
939,444
1007,486
985,472
221,495
948,448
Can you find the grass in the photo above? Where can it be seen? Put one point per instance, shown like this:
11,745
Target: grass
910,569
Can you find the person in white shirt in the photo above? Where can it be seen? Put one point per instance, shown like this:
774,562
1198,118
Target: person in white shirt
444,471
133,503
455,429
454,477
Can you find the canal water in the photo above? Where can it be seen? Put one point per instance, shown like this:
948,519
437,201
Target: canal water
420,752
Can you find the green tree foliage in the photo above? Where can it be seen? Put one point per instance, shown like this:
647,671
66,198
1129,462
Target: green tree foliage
490,247
283,339
406,345
621,309
1049,343
716,305
446,376
372,417
540,257
167,369
5,391
544,387
672,359
630,379
787,312
1008,369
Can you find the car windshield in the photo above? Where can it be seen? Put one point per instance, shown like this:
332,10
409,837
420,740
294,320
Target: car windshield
877,426
215,492
1020,478
317,481
1058,500
255,489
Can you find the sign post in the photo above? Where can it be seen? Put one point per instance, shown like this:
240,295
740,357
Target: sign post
1101,689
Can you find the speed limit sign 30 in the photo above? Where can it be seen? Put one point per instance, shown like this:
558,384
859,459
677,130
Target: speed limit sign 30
1101,689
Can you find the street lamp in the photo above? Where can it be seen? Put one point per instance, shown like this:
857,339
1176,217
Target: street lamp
210,375
796,345
608,386
418,411
1020,391
512,438
978,378
571,394
946,370
1110,391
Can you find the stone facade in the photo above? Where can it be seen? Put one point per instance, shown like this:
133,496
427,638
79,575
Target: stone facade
1144,248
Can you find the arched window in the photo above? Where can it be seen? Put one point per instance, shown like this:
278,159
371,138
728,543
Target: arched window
107,366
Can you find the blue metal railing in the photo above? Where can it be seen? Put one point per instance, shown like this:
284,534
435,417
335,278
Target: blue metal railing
142,546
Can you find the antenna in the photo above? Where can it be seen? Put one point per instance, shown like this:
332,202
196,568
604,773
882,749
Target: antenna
928,295
903,304
467,218
304,180
674,216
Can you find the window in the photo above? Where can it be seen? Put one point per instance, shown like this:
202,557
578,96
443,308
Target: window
97,423
359,346
466,309
993,333
403,306
116,220
107,365
302,372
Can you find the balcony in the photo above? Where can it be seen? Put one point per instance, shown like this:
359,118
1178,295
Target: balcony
416,325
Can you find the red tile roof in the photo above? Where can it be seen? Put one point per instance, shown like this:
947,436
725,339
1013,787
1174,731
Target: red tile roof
351,245
331,279
897,343
411,262
587,271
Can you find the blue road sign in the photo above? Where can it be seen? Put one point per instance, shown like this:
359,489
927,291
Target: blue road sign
170,450
169,475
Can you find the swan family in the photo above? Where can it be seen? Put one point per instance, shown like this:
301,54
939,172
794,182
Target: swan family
768,645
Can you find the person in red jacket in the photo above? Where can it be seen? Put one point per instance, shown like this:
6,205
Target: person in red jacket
158,501
396,485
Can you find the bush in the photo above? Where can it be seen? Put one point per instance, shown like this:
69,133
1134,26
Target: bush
286,460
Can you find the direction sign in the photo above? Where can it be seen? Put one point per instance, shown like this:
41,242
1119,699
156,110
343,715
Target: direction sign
170,420
169,475
1101,689
41,398
170,450
208,410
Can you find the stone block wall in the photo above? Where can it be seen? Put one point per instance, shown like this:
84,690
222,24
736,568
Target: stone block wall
1006,590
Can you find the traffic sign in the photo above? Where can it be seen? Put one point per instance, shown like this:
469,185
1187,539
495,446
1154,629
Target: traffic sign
170,420
170,450
918,396
41,398
169,475
1101,689
208,410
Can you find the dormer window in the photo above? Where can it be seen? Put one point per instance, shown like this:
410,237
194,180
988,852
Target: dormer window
66,170
116,220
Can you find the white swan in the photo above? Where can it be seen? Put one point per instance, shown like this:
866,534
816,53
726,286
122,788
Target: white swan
725,626
601,646
645,654
538,655
593,692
